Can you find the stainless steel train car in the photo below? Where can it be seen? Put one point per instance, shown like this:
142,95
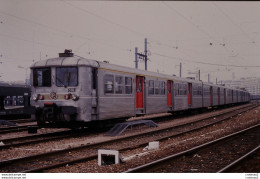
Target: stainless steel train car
78,91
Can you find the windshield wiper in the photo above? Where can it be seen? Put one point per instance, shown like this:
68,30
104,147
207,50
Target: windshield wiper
61,82
69,78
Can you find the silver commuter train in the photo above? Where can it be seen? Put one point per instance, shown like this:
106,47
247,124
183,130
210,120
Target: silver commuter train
77,91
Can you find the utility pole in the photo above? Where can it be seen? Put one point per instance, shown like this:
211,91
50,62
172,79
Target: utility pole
142,56
180,69
208,78
199,75
136,57
145,53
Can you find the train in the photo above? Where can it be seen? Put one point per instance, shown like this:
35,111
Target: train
75,91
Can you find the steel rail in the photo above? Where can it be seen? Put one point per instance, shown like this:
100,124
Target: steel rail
194,149
32,139
103,143
14,129
36,138
19,121
234,163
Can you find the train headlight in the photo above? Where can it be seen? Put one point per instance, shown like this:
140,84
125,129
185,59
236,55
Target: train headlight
35,97
66,96
74,97
40,97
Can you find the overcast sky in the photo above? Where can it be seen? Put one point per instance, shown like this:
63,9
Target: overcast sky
220,38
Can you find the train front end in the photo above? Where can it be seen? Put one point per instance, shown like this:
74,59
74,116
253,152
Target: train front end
61,91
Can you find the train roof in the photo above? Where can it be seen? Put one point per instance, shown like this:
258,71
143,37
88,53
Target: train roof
80,61
65,61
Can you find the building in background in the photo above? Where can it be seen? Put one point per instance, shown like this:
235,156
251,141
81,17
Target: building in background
252,84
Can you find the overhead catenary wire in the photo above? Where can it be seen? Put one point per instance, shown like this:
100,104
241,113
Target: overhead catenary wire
69,34
189,21
122,27
205,63
234,23
193,24
103,18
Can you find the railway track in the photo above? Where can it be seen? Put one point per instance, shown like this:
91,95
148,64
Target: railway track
19,121
32,139
5,130
248,162
208,157
46,161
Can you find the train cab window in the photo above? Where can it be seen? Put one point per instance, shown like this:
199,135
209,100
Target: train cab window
119,85
66,76
109,84
42,77
151,87
128,85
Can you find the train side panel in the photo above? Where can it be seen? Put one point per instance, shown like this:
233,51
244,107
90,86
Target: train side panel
206,95
113,102
180,96
197,99
156,98
229,96
215,95
221,97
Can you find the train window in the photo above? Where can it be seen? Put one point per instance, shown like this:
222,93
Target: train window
94,78
128,85
162,87
185,89
215,91
194,90
109,83
200,90
119,85
42,77
157,87
66,76
197,90
206,90
151,87
176,87
180,89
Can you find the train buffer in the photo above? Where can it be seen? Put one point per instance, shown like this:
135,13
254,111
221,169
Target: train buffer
121,127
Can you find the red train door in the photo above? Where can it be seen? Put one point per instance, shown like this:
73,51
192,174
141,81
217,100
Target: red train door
189,93
139,92
169,93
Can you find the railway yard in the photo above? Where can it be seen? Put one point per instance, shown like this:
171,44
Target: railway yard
129,89
186,144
